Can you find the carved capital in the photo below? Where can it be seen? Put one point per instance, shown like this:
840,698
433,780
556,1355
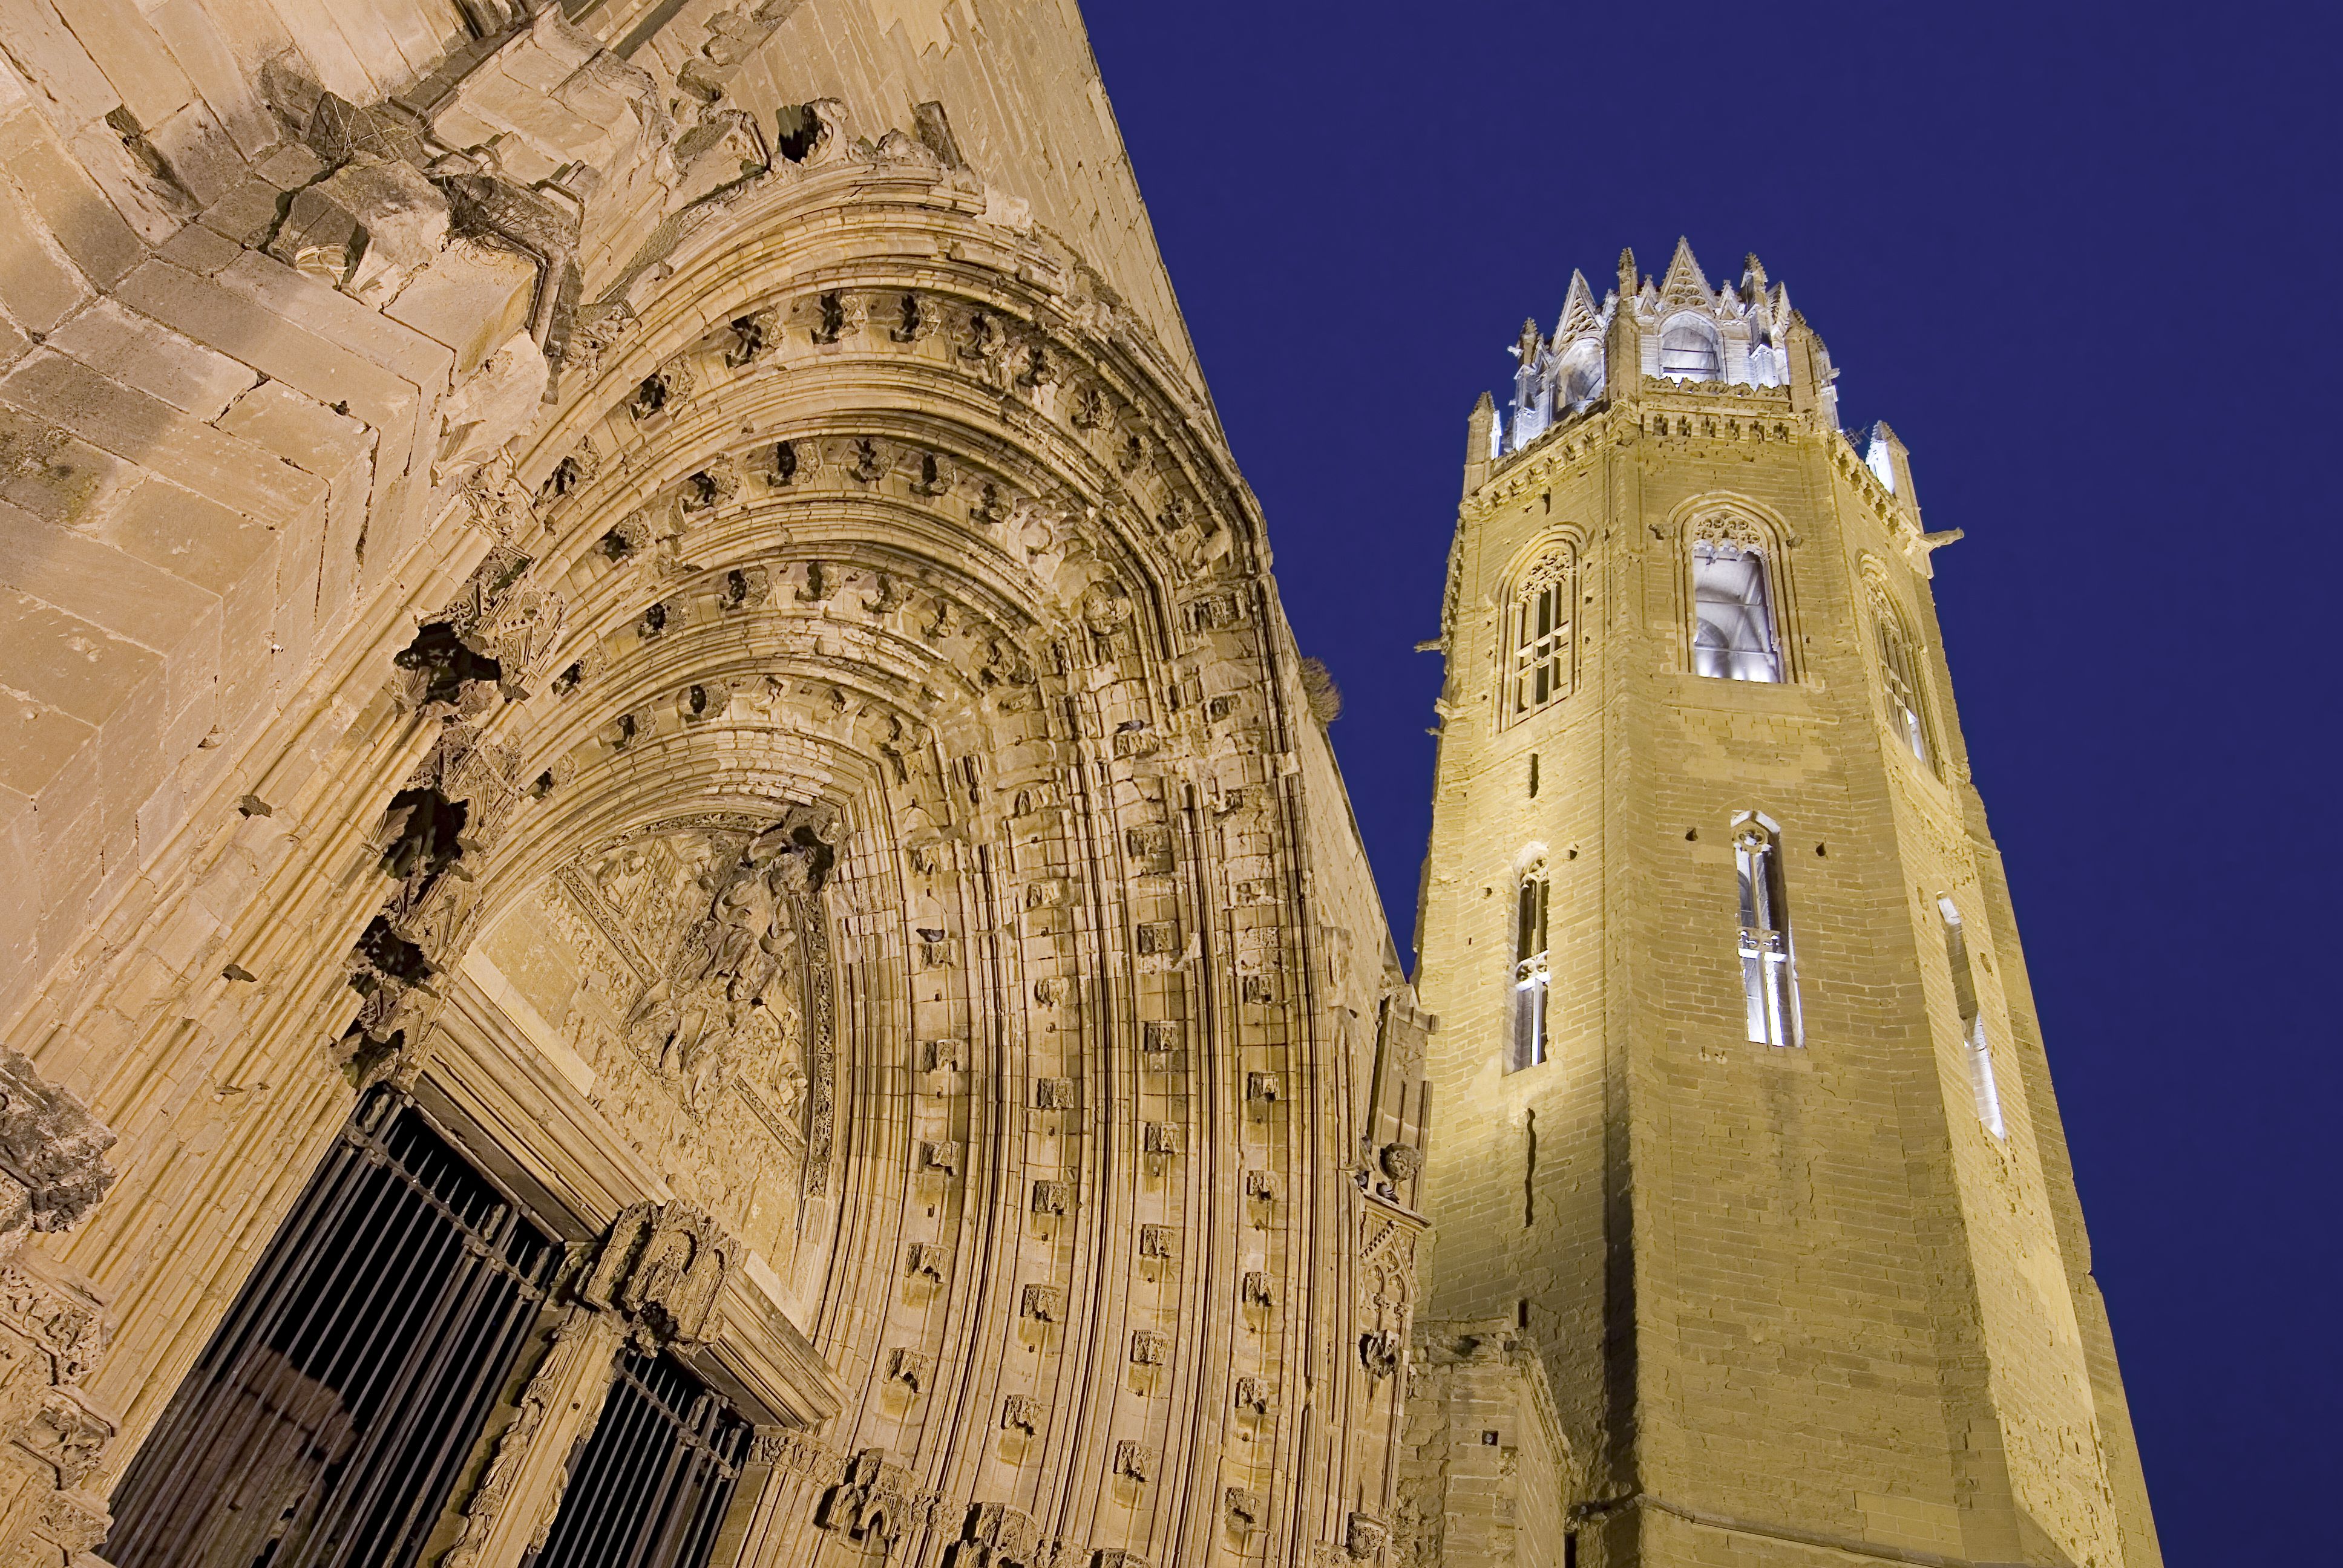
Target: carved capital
872,1504
661,1268
995,1535
52,1153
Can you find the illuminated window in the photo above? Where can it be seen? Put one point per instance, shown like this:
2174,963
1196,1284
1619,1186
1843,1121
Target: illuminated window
1689,349
1580,380
1974,1044
1733,638
1527,1048
1769,980
1542,645
1900,668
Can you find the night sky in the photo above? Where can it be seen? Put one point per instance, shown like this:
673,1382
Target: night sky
2074,255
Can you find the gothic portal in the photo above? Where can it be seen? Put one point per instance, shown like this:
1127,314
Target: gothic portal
680,901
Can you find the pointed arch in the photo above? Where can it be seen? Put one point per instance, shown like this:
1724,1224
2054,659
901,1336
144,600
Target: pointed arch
1540,640
1691,348
1903,671
1735,593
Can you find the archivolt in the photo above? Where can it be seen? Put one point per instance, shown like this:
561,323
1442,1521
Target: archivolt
882,511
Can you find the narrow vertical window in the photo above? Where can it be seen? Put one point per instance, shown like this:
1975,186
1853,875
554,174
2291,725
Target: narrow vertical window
1528,1047
1733,608
1974,1044
1769,982
1899,668
1542,650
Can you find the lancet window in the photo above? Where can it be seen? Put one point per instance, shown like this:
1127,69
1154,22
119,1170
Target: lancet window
1543,665
1734,634
1899,667
1531,974
1975,1046
1769,980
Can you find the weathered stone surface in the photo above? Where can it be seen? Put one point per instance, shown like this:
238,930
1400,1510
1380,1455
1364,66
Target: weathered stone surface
625,579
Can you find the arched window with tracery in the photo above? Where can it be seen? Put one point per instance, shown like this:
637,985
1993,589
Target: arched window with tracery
1769,979
1900,678
1542,655
1690,350
1733,635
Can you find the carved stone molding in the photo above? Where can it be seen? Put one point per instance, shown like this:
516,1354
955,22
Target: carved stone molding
51,1154
661,1268
872,1504
52,1435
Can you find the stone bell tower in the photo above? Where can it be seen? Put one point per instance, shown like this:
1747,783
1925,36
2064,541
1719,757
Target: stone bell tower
1757,1241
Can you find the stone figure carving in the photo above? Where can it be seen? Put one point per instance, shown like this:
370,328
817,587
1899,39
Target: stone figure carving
731,962
663,1269
873,1503
574,1367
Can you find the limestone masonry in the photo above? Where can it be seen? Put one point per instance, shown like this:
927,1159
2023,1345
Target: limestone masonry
679,901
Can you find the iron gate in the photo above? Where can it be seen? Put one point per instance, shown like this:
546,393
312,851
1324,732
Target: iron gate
651,1487
324,1424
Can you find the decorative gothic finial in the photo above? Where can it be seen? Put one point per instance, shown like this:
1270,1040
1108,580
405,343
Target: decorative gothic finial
1580,317
1685,284
1627,274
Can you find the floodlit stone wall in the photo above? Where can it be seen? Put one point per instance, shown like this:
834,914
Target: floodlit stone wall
1790,1298
660,581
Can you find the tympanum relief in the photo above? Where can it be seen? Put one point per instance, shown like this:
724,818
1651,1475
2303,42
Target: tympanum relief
687,968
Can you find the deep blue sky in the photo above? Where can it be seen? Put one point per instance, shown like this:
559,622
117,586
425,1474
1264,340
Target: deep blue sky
2078,257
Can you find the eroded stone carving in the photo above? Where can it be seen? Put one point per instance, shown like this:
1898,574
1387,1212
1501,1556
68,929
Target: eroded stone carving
995,1535
749,943
53,1167
661,1268
873,1505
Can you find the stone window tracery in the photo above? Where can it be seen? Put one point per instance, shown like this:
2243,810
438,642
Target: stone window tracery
1526,1047
1899,668
1769,979
1733,635
1542,655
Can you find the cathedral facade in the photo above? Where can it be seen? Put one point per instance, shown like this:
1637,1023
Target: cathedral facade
680,901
